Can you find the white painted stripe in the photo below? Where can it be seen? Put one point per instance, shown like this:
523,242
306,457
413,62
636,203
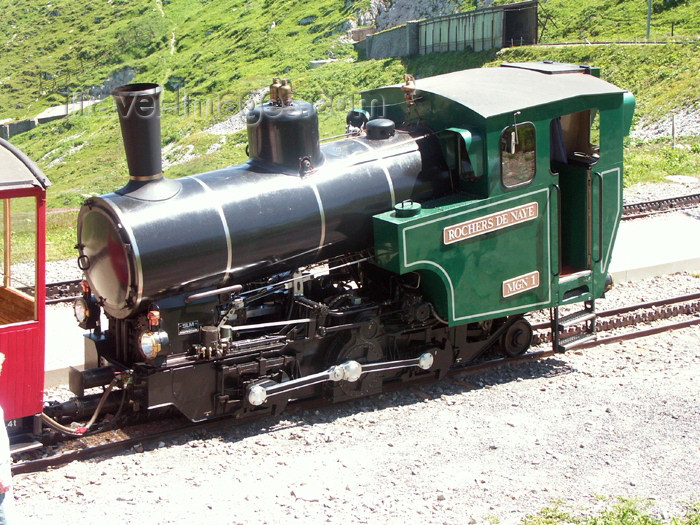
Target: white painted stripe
382,163
227,232
322,214
272,324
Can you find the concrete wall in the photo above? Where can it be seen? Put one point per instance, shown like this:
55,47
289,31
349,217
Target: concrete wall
397,42
15,128
44,120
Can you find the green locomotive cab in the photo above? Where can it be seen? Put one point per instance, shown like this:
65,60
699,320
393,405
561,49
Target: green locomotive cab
535,156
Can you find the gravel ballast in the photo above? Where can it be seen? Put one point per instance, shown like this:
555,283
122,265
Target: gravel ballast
580,428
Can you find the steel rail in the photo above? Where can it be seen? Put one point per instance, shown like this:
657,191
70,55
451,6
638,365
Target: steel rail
644,209
41,464
626,309
63,291
640,333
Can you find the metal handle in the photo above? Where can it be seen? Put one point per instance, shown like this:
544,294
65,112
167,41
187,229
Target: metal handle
83,262
556,187
600,217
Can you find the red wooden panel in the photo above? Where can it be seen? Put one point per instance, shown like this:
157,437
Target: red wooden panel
22,379
26,192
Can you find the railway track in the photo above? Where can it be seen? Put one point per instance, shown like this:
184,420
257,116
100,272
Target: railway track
58,292
609,320
149,434
65,291
644,209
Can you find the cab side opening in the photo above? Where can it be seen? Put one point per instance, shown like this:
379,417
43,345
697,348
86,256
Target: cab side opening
573,152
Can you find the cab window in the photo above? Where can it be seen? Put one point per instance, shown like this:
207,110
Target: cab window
518,157
575,138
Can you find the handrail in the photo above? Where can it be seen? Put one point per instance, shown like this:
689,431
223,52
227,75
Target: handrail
600,217
556,187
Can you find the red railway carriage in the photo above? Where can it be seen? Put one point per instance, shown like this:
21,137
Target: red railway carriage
22,289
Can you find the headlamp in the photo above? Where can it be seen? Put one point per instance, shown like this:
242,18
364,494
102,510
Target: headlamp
80,310
152,343
86,312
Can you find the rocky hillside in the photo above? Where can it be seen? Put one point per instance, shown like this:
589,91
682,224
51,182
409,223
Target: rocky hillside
384,14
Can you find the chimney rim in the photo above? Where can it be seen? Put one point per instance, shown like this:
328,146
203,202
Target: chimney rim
137,90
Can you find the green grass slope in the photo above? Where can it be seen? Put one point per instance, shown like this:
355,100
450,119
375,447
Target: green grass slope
213,46
210,55
615,20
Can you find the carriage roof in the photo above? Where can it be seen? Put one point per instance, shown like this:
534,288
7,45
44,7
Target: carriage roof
17,171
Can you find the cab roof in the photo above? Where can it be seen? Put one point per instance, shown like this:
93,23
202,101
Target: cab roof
514,87
17,171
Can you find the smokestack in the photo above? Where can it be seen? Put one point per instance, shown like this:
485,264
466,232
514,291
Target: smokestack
138,106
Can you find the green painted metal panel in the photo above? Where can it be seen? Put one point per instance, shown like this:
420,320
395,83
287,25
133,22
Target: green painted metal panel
474,147
479,259
463,31
629,104
611,212
478,35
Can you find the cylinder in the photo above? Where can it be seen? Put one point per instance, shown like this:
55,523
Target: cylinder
138,106
81,380
210,336
284,135
274,90
285,92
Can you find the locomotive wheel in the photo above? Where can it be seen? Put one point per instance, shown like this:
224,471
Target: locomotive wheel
517,338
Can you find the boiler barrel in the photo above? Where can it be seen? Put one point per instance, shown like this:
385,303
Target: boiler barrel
245,222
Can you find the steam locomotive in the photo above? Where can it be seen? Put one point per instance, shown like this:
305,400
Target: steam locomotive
452,206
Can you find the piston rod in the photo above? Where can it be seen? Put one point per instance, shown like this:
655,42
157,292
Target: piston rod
349,371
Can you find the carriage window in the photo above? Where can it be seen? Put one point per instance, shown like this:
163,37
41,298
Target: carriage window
518,157
17,248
